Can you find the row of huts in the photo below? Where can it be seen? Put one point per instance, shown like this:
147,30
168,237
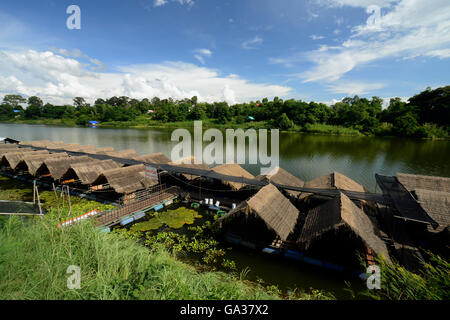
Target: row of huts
339,229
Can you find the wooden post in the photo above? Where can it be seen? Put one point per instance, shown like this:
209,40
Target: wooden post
34,191
68,201
57,202
38,199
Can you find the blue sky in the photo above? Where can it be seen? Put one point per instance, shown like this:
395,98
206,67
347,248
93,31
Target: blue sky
321,50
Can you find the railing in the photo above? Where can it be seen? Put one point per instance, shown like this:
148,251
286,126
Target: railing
152,199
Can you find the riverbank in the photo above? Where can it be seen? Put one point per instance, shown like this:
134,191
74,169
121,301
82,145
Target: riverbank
144,122
147,123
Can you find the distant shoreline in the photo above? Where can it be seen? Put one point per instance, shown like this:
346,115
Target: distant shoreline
318,129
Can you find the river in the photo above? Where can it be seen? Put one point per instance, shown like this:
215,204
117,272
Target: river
306,156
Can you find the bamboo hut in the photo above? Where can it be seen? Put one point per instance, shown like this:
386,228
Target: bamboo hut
233,170
124,180
269,206
87,173
156,158
30,163
280,176
335,224
12,159
57,167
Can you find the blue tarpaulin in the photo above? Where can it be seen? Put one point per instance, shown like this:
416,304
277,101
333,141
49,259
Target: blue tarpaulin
93,122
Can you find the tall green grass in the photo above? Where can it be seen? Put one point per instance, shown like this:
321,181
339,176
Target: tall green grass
432,282
34,258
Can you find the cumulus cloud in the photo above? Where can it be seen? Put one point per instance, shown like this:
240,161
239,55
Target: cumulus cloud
252,43
58,79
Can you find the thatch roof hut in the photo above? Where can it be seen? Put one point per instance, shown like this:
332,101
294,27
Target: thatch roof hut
414,181
338,213
31,163
437,205
102,150
126,180
272,207
15,149
158,158
12,159
87,173
57,167
334,180
233,170
125,154
433,195
37,143
280,176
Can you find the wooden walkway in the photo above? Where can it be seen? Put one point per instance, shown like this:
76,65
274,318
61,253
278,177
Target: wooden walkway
115,216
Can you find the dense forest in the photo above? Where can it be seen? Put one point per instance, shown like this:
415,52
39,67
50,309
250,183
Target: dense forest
425,115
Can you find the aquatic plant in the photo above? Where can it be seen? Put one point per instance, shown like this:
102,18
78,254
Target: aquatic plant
174,219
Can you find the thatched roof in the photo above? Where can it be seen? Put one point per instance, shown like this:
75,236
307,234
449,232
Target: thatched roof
233,170
37,143
101,150
126,179
436,204
334,180
280,176
336,213
158,158
4,151
273,208
31,163
87,173
413,181
12,159
57,167
125,154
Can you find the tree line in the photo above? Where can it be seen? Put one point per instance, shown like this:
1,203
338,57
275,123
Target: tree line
426,114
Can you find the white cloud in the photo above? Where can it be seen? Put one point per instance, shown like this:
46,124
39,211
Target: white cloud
205,52
250,44
410,28
314,37
201,54
160,3
58,79
76,53
356,3
354,88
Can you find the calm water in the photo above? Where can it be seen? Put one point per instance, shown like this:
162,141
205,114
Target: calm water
306,156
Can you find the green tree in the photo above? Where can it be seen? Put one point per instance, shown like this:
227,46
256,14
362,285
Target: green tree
14,100
284,123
